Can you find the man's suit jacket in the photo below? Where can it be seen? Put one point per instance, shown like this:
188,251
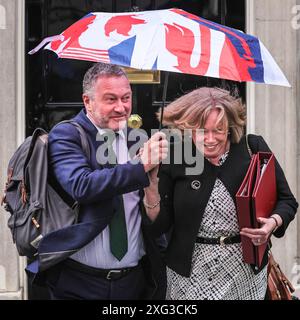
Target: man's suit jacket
93,186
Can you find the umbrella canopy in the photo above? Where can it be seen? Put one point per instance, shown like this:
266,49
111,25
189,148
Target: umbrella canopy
170,40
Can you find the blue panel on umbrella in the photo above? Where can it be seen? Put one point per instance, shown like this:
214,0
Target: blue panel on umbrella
122,53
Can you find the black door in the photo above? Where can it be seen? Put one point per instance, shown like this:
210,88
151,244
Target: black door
53,86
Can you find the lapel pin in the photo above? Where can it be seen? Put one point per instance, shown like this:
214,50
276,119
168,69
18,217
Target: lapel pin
195,184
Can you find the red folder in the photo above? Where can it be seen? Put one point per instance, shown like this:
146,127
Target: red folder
244,212
256,198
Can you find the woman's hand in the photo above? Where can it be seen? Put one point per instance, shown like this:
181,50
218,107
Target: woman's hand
261,235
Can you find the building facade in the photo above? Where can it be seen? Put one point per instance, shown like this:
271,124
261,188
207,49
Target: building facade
31,94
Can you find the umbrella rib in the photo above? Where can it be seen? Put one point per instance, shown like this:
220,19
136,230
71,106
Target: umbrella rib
151,41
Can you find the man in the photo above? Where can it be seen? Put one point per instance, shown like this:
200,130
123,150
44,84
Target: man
106,192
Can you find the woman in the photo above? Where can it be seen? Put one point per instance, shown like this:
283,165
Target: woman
195,211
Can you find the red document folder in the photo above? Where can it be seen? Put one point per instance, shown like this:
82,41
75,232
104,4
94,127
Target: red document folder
244,203
256,198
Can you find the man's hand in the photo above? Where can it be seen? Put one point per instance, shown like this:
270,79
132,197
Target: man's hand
154,151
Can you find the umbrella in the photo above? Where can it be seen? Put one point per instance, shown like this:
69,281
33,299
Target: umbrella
169,40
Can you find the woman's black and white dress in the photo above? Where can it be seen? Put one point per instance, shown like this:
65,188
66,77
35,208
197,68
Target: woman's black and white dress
218,272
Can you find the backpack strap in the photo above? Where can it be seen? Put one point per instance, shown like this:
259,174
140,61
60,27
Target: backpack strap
84,144
83,137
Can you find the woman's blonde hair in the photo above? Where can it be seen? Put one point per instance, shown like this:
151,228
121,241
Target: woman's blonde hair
191,111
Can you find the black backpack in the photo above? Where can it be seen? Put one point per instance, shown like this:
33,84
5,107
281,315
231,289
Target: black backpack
35,207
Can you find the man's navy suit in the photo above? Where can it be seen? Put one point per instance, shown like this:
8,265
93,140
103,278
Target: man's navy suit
94,186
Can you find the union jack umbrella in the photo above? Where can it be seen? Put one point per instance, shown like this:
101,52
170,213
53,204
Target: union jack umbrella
170,40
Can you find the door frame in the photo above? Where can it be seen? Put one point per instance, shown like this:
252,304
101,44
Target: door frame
20,110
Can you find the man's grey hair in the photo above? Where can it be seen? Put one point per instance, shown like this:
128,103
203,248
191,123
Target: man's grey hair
99,70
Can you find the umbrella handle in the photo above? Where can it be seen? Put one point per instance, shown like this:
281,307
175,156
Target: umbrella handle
164,99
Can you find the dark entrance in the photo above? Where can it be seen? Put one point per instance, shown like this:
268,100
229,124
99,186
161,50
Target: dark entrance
53,86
